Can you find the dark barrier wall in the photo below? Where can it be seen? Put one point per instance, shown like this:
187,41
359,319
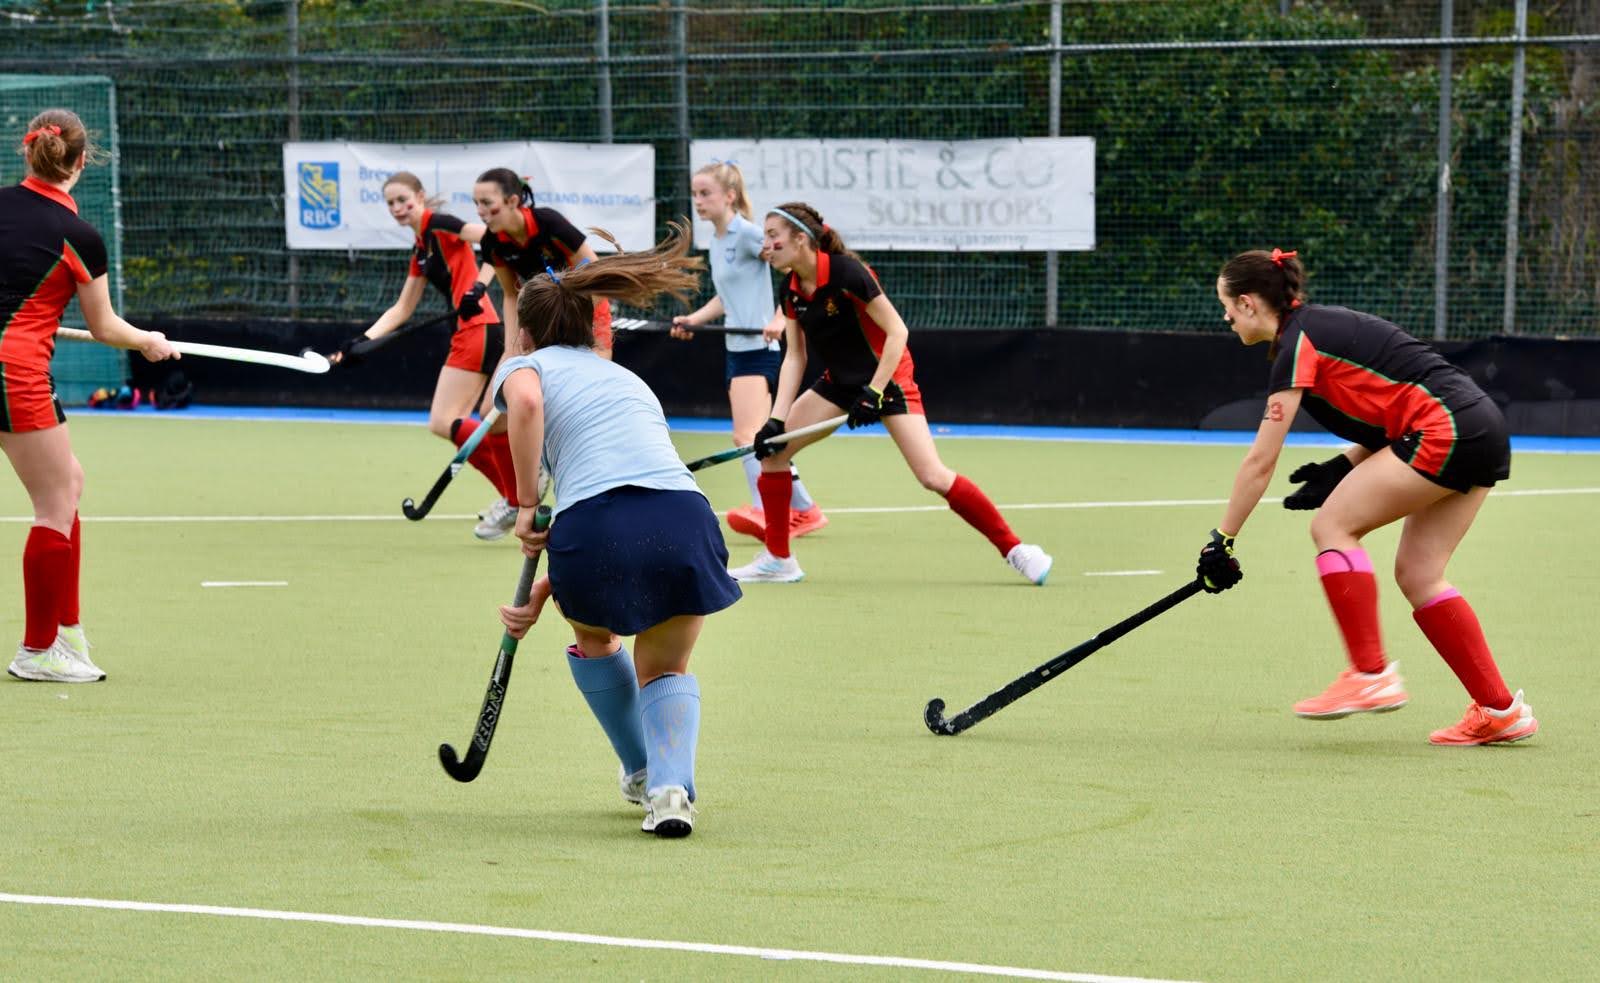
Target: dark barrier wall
1059,378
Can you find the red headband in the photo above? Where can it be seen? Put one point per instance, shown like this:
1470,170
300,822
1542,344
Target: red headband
1278,255
33,135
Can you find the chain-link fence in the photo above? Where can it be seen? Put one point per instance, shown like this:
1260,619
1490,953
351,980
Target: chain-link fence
1219,126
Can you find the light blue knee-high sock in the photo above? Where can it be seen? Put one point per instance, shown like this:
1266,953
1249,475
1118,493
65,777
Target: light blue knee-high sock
752,471
670,708
612,691
799,498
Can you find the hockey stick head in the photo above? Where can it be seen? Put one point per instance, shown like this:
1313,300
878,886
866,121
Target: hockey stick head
461,769
411,511
316,362
933,716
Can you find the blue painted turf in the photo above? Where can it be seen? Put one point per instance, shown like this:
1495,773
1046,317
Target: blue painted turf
1111,435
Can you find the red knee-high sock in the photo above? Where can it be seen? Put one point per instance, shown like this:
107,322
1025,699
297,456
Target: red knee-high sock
1452,626
776,487
968,501
499,445
483,457
69,603
1352,590
45,561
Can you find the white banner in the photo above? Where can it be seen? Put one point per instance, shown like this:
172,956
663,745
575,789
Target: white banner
333,192
1027,193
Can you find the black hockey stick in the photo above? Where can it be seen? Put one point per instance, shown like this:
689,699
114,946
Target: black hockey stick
1015,690
363,348
642,326
466,769
412,510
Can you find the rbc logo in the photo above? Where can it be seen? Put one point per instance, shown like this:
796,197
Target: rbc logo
319,194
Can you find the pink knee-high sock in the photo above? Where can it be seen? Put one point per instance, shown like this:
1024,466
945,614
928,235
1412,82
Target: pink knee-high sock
776,487
69,602
968,501
499,445
1352,590
483,458
1453,628
46,562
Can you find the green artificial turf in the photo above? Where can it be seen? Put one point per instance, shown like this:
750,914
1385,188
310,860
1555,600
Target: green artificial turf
1158,812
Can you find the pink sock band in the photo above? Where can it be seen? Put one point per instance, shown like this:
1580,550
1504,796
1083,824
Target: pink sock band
1444,596
1344,561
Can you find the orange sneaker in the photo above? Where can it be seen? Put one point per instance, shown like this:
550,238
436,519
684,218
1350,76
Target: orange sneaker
1357,692
749,520
1482,725
810,520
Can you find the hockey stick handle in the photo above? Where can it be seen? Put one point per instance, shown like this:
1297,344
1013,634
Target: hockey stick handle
309,361
415,512
733,454
639,325
373,344
1023,685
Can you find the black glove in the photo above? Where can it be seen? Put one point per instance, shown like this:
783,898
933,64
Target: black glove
1218,568
1319,480
347,353
770,429
472,301
869,407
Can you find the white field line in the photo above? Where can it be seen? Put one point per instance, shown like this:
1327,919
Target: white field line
578,938
1122,573
1148,503
244,583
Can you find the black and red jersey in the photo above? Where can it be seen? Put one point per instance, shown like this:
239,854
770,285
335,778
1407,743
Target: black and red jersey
46,250
1365,380
839,331
550,241
447,261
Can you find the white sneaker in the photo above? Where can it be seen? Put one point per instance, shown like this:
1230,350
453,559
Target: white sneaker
669,813
501,519
768,569
55,664
632,786
78,643
1031,561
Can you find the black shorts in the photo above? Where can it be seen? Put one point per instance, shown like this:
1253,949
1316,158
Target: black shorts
763,362
1474,452
843,395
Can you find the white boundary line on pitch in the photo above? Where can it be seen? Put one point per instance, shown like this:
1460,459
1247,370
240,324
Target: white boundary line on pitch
579,938
244,583
1148,503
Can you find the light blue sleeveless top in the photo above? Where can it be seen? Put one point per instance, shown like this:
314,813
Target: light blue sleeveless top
744,282
603,427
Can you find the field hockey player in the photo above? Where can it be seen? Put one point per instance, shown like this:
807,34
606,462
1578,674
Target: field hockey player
1429,444
743,299
51,256
833,307
634,548
442,255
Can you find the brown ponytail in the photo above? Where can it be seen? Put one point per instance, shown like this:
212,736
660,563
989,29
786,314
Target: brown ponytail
558,308
824,237
1276,277
54,144
409,180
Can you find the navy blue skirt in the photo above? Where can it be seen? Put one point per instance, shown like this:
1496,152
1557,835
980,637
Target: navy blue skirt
630,558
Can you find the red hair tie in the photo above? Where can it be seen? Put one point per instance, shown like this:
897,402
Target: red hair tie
1278,255
1294,303
33,135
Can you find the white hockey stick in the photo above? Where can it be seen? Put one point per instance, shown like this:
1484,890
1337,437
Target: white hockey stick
307,361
